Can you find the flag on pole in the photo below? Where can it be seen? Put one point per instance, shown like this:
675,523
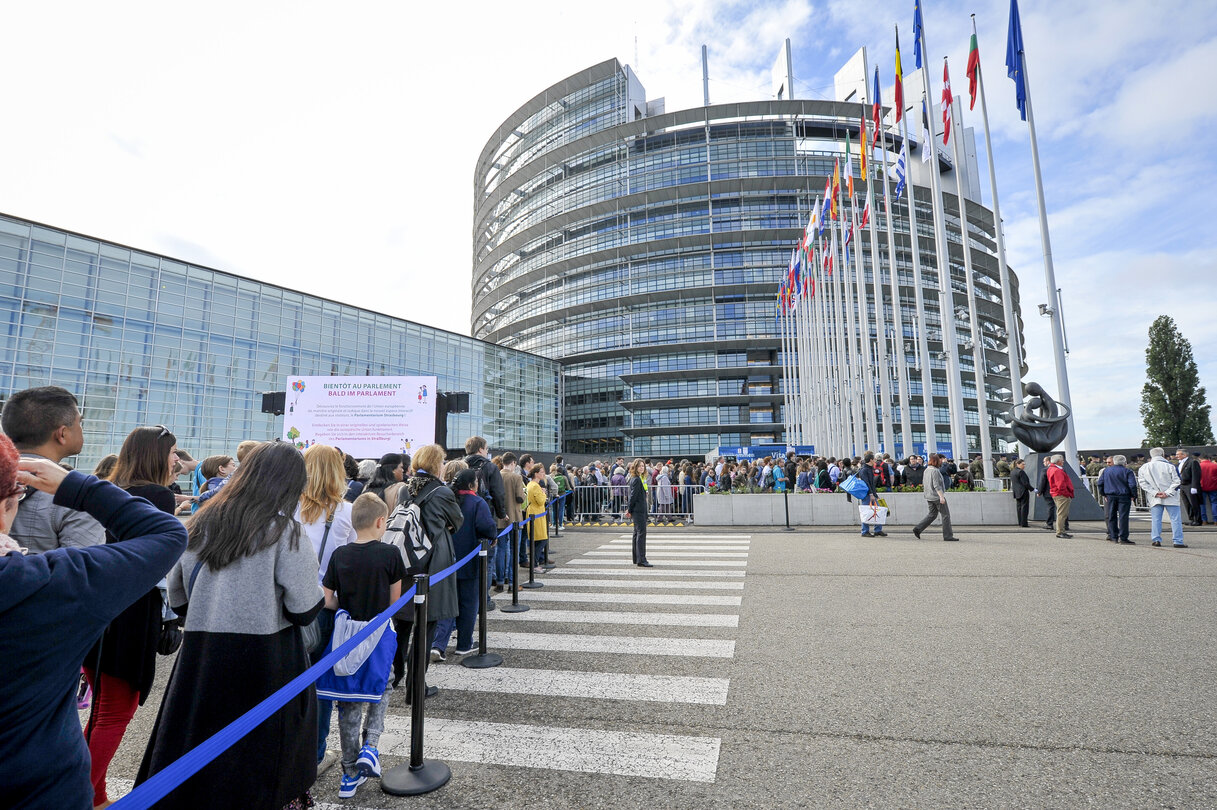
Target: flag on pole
836,185
901,169
973,69
863,140
849,237
1014,59
826,206
947,101
917,32
849,168
865,215
898,88
926,138
877,112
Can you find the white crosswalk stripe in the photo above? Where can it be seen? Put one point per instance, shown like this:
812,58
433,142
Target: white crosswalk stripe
568,582
697,563
657,536
623,753
593,685
651,554
550,595
618,546
642,617
642,572
623,645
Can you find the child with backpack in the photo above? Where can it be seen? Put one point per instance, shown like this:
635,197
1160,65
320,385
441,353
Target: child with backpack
363,578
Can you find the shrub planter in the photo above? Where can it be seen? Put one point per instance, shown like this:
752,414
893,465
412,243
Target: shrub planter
832,509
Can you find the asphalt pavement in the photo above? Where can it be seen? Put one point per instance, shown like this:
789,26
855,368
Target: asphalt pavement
753,668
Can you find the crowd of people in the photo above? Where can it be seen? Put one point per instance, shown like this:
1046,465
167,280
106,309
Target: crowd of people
271,558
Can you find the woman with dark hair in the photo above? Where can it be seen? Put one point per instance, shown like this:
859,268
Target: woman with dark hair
350,468
105,466
121,666
479,525
389,471
246,585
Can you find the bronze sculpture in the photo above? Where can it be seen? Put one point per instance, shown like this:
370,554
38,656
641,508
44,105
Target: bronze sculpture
1040,422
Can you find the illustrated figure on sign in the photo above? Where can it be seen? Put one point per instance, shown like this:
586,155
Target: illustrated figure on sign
293,434
298,387
422,394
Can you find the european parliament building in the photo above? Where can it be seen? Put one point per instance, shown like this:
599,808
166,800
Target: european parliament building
643,249
144,339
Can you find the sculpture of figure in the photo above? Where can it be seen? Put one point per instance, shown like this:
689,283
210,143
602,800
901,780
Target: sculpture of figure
1040,422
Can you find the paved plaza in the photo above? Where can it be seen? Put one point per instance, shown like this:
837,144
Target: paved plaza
760,668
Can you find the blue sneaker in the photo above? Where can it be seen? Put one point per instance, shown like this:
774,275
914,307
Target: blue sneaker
368,762
346,788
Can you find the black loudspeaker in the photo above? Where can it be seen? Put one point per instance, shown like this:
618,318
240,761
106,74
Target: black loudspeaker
274,402
458,402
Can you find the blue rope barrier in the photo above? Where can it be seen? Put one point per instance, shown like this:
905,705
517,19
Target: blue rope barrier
163,782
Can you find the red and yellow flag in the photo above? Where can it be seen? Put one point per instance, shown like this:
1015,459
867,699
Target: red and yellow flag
836,186
898,90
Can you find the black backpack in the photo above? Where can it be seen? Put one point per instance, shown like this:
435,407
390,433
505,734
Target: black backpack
408,534
482,486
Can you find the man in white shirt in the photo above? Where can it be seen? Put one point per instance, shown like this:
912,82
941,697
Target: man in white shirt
1159,479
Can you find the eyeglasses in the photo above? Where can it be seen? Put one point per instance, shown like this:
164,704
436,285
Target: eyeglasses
164,431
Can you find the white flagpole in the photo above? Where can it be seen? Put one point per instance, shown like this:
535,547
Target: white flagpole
832,357
884,377
853,352
1058,331
867,389
946,292
787,384
923,347
1013,334
906,425
980,365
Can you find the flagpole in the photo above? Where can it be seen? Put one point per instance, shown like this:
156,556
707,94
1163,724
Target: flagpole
1013,334
1058,333
979,364
787,385
845,300
832,344
923,346
867,369
946,292
906,425
852,348
885,398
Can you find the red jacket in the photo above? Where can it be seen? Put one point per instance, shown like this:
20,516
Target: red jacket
1208,476
1058,482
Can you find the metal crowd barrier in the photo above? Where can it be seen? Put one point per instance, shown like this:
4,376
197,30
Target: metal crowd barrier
1139,501
600,504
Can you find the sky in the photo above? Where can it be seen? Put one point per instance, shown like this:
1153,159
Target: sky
330,147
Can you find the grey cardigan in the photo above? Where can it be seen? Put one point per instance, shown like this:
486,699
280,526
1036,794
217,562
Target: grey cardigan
932,484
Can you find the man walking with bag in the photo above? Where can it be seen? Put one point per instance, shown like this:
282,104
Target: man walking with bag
935,492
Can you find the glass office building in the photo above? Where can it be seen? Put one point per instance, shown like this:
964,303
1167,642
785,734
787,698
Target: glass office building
144,339
644,249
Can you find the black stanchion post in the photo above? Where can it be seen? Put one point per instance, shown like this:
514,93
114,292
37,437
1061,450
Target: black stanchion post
549,566
558,506
420,775
786,503
515,606
532,559
483,659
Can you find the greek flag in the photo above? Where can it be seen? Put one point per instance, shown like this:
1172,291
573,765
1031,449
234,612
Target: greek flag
900,170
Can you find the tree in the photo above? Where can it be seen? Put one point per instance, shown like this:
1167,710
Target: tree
1173,407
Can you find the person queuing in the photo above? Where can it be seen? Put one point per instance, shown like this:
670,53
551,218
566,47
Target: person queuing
636,510
537,529
121,666
246,584
478,525
362,579
1160,481
54,607
935,492
215,470
46,422
325,518
514,494
441,516
389,471
1118,486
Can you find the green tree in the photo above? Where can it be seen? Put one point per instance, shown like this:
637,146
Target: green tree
1173,407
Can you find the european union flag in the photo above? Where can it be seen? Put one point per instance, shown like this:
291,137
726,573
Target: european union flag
1014,59
917,31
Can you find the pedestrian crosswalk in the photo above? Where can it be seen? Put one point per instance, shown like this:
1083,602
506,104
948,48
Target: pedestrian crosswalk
613,638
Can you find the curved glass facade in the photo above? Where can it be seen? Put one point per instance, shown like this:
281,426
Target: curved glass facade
644,251
143,339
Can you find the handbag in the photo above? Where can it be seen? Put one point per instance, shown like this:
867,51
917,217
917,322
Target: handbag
872,515
316,632
855,486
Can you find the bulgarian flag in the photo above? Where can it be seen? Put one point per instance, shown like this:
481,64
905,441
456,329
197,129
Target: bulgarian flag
973,70
898,87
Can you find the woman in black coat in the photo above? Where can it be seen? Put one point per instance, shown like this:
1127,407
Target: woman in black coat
121,666
636,507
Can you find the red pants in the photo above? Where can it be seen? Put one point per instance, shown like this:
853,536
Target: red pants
113,707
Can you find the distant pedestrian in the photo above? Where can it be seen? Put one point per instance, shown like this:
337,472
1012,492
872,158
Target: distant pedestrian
1160,481
1061,489
636,508
1043,490
1118,485
934,490
868,475
1189,486
1208,487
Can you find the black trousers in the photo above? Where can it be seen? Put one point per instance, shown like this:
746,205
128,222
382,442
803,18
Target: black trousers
640,537
403,658
1118,508
1051,522
1022,506
1191,503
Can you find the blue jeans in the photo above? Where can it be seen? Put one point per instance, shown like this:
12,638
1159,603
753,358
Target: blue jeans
1172,511
866,526
325,708
499,558
1211,497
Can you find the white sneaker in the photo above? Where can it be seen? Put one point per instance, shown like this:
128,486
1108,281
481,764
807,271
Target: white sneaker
327,762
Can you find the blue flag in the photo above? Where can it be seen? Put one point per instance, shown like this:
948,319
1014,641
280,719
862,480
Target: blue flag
901,169
917,31
1014,59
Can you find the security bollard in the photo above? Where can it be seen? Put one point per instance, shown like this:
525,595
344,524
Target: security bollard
786,503
514,559
483,659
532,560
420,775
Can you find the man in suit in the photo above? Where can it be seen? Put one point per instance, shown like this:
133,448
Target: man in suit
1189,485
1020,485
